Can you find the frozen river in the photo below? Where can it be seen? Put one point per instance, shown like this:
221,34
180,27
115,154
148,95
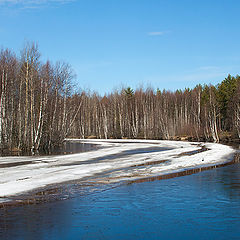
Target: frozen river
115,161
202,206
117,203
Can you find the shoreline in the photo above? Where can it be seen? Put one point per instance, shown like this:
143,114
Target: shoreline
229,141
55,192
130,168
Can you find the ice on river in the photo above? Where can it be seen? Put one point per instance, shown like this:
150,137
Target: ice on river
117,160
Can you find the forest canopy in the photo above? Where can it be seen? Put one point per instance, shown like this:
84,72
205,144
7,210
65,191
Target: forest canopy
39,107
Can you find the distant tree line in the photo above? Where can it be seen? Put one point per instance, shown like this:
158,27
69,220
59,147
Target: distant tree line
39,107
202,113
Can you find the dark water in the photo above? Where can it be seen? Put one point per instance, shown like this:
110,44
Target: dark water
68,147
199,206
74,147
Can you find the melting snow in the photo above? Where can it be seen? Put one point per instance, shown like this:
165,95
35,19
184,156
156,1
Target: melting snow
28,173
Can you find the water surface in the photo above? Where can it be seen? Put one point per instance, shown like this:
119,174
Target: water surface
199,206
68,147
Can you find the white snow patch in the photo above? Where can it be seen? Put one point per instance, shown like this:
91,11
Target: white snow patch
44,171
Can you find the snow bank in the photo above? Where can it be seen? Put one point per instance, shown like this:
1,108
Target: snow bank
121,159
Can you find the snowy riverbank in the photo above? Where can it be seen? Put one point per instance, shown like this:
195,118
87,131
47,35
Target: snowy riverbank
118,160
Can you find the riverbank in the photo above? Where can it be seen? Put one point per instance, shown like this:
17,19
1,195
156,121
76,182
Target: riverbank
115,161
198,206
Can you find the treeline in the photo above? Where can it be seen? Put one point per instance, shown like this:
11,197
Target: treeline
202,113
39,107
33,100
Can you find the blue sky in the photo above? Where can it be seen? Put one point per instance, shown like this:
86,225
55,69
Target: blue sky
167,44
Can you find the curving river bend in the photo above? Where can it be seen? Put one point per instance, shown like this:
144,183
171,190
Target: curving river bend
205,205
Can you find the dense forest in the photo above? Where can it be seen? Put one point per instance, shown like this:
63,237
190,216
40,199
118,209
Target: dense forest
40,107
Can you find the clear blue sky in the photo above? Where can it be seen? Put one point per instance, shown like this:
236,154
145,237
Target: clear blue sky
163,43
